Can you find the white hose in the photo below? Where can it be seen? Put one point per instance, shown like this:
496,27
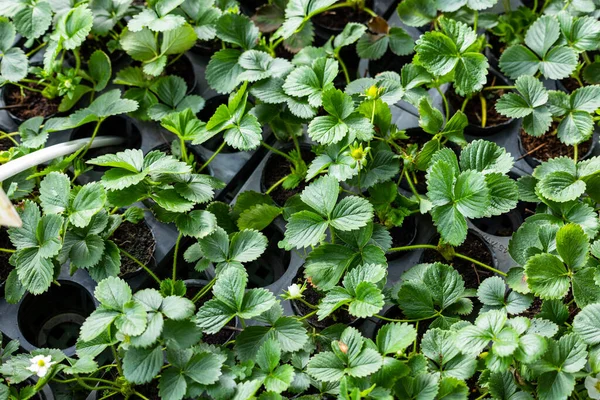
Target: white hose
21,164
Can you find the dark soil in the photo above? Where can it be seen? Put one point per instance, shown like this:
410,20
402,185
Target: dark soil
5,267
402,236
389,62
33,103
184,69
314,296
207,47
570,84
338,18
497,46
549,146
534,309
473,247
89,46
499,225
137,240
221,337
473,109
278,167
473,385
6,144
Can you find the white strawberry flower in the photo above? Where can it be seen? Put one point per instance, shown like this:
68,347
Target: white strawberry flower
40,365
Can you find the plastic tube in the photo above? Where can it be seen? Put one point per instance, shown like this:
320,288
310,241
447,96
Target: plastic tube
21,164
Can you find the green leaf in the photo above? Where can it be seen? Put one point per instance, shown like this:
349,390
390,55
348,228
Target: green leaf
33,19
247,245
304,229
97,323
13,65
89,200
417,12
586,322
259,65
196,223
54,193
99,69
486,157
395,337
73,27
205,368
547,276
351,213
113,293
258,217
518,60
312,81
572,245
542,34
430,118
223,70
244,135
178,40
142,365
237,29
321,195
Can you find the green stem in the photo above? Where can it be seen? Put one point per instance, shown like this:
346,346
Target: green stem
575,152
77,60
276,184
278,152
138,262
344,68
87,147
310,314
212,157
483,110
586,58
184,155
445,100
432,247
141,396
332,232
499,87
464,104
175,59
480,264
296,144
301,300
535,5
6,250
412,186
175,257
204,290
475,20
36,49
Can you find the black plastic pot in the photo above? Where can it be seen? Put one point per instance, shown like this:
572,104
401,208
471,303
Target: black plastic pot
118,125
534,162
53,319
184,68
6,90
404,235
477,243
324,31
388,62
476,130
500,225
274,162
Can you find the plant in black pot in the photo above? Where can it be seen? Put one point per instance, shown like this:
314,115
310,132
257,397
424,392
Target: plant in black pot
480,181
569,118
56,87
